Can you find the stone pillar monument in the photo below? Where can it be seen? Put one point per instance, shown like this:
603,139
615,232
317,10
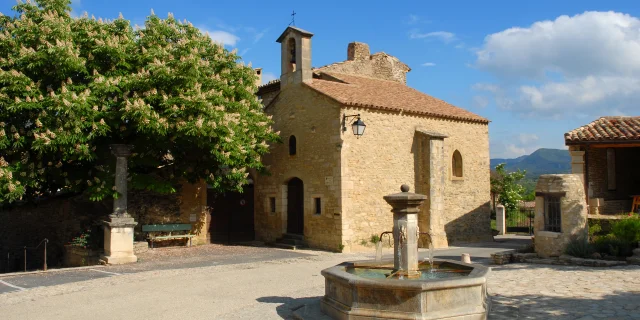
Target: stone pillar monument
118,231
405,230
501,219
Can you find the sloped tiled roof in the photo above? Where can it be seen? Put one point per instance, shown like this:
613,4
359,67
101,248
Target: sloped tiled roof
606,129
387,95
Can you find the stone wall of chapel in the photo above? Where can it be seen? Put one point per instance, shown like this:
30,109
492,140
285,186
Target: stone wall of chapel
384,158
315,121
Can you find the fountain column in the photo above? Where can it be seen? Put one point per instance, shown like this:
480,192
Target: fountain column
405,230
118,231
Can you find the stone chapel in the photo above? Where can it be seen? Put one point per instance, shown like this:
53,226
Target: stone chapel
326,183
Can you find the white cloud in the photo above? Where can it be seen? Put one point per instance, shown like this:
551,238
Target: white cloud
444,36
428,64
268,76
413,19
486,87
586,64
259,36
480,101
514,145
527,138
228,39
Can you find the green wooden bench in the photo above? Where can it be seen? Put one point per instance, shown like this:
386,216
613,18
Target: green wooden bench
170,228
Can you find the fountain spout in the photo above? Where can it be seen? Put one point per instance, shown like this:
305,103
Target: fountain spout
405,231
386,232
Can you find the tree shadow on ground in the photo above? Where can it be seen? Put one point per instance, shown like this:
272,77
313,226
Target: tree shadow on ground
619,305
287,305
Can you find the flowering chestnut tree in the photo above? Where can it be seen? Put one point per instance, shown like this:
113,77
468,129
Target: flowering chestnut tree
70,87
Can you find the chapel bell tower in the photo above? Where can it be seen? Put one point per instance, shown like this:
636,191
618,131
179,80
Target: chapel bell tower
295,55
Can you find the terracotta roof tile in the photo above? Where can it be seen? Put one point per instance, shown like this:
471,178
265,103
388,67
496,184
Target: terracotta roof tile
387,95
606,129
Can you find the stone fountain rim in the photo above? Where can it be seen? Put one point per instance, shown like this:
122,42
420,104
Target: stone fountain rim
476,276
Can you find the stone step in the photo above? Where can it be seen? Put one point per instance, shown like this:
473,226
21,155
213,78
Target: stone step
293,236
292,242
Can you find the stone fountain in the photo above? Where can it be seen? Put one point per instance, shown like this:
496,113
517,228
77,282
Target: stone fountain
405,288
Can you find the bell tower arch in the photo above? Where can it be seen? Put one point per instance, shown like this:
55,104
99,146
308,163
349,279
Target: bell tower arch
295,54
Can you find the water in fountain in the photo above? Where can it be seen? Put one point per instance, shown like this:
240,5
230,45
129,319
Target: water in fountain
379,251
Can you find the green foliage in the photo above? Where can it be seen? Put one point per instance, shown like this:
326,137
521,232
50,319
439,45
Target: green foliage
506,186
92,237
340,247
627,230
579,248
595,228
374,238
619,240
613,246
70,87
529,196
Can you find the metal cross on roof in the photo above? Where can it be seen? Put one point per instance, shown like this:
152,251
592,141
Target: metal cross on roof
293,18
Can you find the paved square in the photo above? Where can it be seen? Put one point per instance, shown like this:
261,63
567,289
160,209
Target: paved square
273,289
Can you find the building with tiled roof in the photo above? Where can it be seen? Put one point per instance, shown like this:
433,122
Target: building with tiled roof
606,153
606,130
327,179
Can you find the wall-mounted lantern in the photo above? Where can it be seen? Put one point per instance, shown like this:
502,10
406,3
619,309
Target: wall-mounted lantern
357,126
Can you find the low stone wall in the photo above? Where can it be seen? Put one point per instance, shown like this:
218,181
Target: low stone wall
513,256
79,257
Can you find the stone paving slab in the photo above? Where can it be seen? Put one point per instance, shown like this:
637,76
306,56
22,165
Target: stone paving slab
526,291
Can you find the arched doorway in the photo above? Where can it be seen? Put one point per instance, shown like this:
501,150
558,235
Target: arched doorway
231,215
295,206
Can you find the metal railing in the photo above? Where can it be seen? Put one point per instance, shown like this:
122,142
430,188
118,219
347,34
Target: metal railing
24,250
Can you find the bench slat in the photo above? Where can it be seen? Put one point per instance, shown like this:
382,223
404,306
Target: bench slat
166,227
173,237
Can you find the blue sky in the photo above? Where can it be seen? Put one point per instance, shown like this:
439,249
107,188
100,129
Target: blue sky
535,69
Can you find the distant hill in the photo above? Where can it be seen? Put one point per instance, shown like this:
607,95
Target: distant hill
542,161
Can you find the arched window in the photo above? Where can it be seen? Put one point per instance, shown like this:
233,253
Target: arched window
456,165
292,146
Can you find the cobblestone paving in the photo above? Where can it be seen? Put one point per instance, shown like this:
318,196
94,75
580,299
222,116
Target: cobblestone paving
527,291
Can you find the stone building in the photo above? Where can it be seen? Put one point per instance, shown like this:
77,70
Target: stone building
605,153
327,184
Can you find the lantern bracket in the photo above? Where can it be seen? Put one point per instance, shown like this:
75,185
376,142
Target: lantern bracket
346,117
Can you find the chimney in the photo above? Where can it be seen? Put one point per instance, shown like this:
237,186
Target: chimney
258,72
358,51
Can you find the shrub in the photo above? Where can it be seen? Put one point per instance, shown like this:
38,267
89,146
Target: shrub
92,237
595,228
580,248
627,230
612,245
374,238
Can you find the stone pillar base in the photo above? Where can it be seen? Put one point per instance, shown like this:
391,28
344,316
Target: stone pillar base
118,240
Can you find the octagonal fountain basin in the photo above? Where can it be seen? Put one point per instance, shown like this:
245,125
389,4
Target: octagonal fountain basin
370,290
